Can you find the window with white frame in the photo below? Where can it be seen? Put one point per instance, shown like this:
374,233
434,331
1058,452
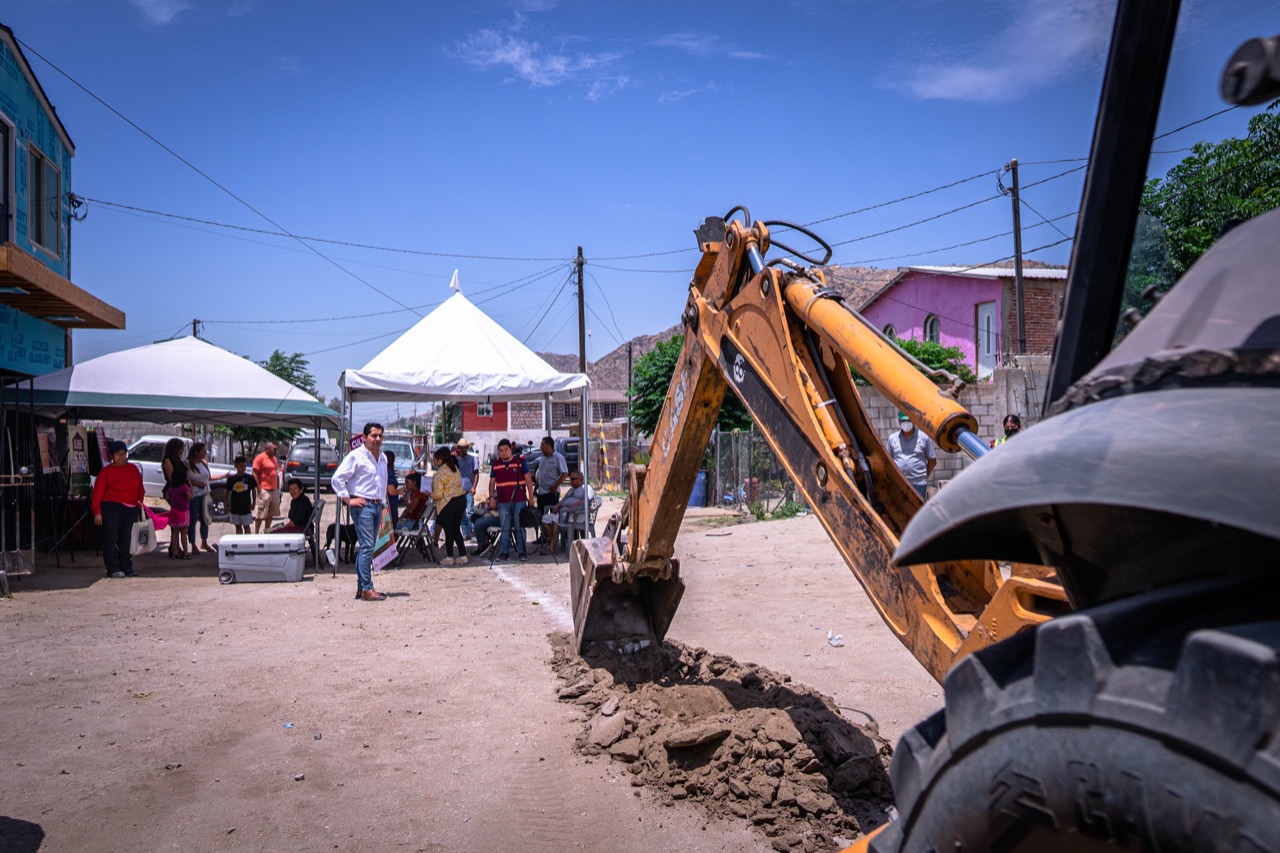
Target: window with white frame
44,201
933,329
484,410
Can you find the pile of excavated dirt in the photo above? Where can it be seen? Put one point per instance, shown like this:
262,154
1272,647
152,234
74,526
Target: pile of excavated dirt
739,739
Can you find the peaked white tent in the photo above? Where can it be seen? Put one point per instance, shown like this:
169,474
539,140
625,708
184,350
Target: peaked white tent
176,381
456,353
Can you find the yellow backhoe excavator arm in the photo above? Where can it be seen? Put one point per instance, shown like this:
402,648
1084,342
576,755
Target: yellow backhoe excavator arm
784,343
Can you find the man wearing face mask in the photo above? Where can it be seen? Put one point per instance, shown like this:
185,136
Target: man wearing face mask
913,453
1012,426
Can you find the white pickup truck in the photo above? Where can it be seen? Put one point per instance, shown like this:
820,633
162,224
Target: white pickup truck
148,452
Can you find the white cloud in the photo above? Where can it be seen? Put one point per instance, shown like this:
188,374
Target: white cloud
681,94
161,11
1045,41
528,60
703,45
607,86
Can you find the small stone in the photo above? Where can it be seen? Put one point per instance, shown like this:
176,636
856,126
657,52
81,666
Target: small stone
813,802
610,707
773,768
763,788
318,736
786,795
627,749
855,774
299,777
779,728
605,731
573,691
762,817
739,808
740,790
695,735
172,766
786,841
230,829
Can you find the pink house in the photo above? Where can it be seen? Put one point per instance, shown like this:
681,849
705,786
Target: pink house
970,308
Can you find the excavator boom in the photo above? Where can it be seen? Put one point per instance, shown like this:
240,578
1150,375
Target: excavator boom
776,336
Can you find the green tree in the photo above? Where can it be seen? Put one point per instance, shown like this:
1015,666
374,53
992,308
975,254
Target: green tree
651,377
335,403
1214,185
292,369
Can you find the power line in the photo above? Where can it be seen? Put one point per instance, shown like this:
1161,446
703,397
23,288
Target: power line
1048,222
204,175
901,199
329,241
607,304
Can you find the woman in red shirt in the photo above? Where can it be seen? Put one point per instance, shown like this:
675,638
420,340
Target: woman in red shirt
117,495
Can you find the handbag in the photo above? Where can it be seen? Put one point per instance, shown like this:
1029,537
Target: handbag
142,537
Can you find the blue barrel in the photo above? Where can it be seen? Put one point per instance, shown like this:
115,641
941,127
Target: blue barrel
699,496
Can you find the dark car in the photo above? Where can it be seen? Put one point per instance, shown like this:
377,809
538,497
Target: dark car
568,448
302,464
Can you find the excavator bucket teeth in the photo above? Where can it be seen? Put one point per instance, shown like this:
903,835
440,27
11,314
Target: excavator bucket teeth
604,610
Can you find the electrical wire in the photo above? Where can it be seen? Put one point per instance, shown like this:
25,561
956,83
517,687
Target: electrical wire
607,305
329,241
204,174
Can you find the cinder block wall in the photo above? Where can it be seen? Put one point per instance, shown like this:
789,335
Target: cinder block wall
1012,390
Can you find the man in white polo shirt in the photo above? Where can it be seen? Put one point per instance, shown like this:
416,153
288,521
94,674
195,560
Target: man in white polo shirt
361,483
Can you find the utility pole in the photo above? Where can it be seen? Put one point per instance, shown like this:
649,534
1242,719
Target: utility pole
195,328
1012,168
627,456
583,443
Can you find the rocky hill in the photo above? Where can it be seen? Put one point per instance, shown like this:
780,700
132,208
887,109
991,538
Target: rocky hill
610,370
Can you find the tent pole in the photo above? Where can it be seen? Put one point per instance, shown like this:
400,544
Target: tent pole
582,464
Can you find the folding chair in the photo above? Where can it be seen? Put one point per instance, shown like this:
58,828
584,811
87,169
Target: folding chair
418,538
313,531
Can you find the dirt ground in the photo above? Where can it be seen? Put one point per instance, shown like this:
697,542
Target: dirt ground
170,712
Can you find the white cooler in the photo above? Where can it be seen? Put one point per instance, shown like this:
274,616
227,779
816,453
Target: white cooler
250,557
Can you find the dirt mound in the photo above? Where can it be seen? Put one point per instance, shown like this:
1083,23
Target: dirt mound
738,738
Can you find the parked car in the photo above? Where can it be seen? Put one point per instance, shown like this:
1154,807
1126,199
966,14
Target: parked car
302,464
148,452
404,456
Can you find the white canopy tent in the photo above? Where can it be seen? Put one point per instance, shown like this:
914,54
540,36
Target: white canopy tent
187,380
456,353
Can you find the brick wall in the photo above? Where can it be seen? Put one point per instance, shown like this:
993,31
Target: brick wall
1012,390
526,415
1041,304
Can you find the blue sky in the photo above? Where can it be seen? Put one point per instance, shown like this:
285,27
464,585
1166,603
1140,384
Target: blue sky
497,137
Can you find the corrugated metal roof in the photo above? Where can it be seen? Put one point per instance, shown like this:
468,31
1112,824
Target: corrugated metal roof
1046,273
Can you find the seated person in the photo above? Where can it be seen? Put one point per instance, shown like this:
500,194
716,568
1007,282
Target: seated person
299,509
573,507
415,502
486,522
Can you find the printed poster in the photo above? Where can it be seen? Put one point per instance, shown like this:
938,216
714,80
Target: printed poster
78,462
384,547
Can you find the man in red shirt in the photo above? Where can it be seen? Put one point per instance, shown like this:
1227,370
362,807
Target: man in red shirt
266,470
508,483
117,496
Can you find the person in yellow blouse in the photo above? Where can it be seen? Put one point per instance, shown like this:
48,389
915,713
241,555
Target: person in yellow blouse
451,503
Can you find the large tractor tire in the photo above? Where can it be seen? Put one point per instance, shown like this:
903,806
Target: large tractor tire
1149,724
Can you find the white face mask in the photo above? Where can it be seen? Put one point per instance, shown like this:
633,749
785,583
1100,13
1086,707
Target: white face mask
906,426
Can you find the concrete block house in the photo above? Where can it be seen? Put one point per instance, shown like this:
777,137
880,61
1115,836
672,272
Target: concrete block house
972,309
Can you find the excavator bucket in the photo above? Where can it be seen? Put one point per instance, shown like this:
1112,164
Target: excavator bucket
618,611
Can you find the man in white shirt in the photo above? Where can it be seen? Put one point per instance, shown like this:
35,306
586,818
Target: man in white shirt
361,483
